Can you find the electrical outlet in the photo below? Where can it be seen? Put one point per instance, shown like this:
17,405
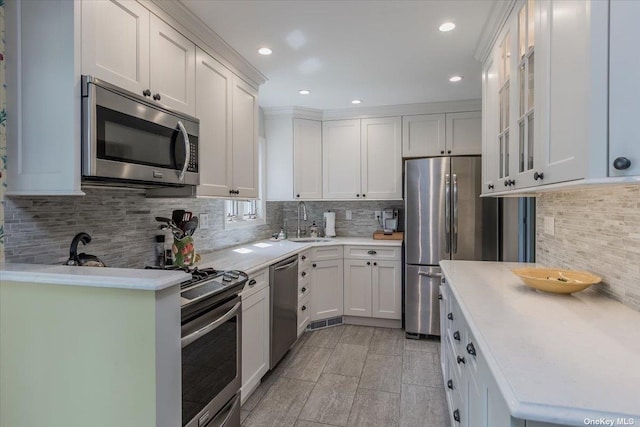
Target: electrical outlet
349,215
203,221
378,215
550,225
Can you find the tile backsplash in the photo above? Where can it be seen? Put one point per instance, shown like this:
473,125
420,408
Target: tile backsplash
121,223
596,229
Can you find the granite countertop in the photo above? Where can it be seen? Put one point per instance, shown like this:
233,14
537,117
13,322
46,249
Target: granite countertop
556,358
249,258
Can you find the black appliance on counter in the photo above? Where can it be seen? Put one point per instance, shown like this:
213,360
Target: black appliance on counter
211,339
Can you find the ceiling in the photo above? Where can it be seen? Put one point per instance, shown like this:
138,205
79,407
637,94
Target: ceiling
381,52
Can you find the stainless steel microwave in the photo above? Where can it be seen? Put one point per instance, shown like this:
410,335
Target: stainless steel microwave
130,140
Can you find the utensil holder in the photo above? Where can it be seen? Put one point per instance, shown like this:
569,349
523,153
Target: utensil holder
184,251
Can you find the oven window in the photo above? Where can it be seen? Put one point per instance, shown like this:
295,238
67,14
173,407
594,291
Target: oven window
208,366
124,138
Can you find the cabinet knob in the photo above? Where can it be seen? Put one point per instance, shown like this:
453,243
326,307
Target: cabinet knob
252,282
506,182
368,263
146,92
313,265
375,263
364,195
303,290
297,195
471,349
538,176
490,186
460,360
450,316
441,151
621,163
157,97
456,335
513,182
304,273
450,384
304,307
357,195
303,257
230,191
448,151
440,296
456,415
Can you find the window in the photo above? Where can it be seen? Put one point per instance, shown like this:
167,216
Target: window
245,213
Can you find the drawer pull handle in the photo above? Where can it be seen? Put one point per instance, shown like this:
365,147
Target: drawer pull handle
460,360
440,297
303,257
450,316
313,265
304,273
304,307
303,290
456,335
471,349
450,384
372,252
621,163
456,415
252,282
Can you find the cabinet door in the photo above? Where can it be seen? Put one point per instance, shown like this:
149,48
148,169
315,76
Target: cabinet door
245,139
172,67
464,133
423,135
490,117
381,158
624,88
255,340
386,287
213,108
326,285
357,287
341,159
115,43
307,159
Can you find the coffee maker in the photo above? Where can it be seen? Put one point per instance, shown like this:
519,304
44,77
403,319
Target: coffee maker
390,220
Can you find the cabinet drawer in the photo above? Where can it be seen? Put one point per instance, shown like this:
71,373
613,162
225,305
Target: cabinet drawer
304,313
257,281
304,260
373,252
326,252
304,288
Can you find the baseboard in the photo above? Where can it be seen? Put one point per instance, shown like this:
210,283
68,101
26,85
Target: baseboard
368,321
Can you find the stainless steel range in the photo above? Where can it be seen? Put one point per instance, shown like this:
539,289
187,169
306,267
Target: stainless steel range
211,318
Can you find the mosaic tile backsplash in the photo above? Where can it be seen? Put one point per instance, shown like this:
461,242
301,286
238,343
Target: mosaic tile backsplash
598,230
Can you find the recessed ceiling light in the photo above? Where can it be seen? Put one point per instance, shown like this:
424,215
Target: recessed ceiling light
447,26
455,79
264,51
356,101
304,92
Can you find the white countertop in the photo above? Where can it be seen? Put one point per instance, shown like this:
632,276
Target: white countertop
556,358
261,254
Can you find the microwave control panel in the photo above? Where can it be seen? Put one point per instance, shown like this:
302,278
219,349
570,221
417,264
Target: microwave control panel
193,157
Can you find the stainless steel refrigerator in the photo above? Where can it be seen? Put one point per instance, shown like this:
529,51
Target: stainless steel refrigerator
444,219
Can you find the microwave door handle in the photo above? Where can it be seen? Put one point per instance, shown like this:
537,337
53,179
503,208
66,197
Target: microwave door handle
187,150
210,327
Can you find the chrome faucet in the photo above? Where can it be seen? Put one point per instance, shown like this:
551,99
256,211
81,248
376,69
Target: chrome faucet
304,218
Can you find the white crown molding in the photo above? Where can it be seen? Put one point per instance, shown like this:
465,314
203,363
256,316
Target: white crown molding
404,110
293,111
497,17
192,27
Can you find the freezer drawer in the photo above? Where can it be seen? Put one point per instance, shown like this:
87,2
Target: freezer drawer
422,310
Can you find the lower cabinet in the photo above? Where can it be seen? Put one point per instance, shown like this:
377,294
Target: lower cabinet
255,332
326,285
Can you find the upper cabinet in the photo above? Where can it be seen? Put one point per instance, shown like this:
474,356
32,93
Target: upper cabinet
307,159
126,45
245,139
451,134
362,159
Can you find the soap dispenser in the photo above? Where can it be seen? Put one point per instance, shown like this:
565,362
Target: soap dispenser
313,230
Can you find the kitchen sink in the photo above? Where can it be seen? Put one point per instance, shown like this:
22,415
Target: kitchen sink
309,240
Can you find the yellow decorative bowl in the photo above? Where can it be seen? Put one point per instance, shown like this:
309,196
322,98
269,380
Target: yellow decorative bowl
555,280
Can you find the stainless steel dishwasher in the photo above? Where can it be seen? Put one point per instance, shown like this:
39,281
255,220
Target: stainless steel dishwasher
283,279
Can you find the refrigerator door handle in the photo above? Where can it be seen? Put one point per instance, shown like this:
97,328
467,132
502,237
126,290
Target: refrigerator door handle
447,212
455,214
422,273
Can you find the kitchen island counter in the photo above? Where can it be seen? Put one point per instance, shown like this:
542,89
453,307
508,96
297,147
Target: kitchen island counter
562,359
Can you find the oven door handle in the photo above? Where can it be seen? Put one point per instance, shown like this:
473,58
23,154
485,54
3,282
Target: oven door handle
185,341
187,150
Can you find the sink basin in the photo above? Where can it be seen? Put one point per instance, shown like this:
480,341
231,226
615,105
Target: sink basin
309,239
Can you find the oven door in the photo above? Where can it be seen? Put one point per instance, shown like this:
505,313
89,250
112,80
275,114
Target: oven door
211,363
126,137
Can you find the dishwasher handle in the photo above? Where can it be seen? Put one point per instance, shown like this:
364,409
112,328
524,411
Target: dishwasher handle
282,267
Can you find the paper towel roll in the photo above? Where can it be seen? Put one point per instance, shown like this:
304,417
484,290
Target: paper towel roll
330,224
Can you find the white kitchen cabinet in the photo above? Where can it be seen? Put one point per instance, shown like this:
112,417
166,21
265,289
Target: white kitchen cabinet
213,108
307,159
327,289
423,135
463,133
304,313
245,139
126,45
490,153
255,332
373,282
362,159
624,89
381,158
115,43
341,159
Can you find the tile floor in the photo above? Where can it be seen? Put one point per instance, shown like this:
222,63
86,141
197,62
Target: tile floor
352,376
